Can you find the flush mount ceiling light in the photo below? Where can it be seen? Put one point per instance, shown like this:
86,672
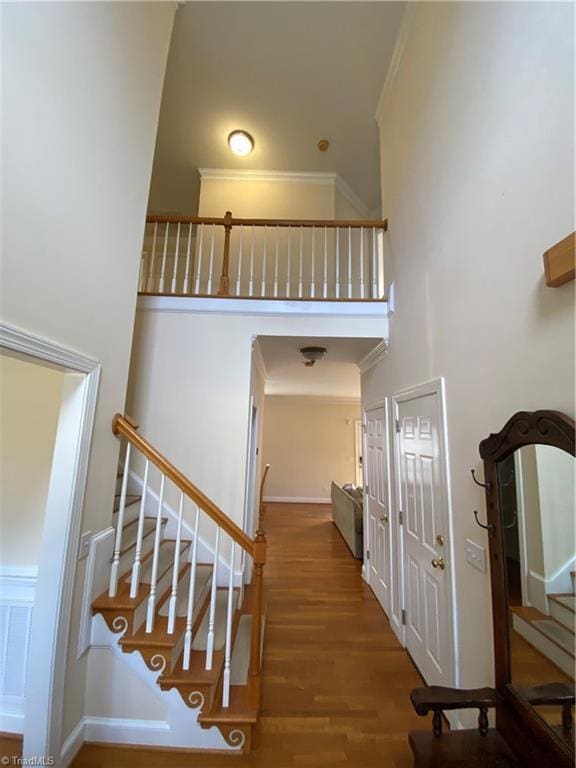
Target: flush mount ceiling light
312,355
241,143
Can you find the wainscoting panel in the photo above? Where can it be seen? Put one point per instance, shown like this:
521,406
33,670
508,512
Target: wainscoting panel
17,589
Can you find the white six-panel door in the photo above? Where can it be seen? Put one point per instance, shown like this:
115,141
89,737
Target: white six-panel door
423,500
377,500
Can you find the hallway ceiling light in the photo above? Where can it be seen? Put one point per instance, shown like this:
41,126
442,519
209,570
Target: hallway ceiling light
312,354
241,143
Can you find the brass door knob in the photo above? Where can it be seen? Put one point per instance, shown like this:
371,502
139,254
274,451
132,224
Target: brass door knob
438,562
383,518
440,540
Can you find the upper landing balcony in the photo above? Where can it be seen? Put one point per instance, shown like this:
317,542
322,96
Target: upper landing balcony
278,264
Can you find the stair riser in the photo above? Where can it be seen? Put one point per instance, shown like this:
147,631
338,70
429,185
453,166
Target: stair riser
131,513
562,615
546,647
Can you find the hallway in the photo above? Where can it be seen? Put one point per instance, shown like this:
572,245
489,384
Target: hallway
336,682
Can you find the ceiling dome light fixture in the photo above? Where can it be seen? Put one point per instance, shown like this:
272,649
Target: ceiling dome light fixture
312,355
241,143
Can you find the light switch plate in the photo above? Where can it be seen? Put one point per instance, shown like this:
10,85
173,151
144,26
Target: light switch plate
85,540
476,555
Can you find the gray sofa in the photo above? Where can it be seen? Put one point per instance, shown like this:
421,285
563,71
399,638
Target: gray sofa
347,516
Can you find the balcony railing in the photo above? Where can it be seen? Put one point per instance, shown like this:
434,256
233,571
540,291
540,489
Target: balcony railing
263,258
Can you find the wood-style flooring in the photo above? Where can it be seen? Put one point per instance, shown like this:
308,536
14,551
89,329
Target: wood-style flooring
336,682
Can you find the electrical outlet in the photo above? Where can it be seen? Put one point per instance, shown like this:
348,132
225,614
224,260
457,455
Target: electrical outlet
85,540
476,555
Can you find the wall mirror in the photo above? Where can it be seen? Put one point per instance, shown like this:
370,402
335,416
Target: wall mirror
530,473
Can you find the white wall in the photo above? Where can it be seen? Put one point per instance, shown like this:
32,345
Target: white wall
477,153
190,386
81,87
30,397
308,442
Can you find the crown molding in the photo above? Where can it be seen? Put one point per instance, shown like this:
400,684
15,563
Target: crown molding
315,399
232,174
394,66
373,357
297,177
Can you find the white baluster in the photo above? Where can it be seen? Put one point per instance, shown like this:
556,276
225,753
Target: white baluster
239,276
289,264
211,265
211,617
154,578
349,262
325,291
337,269
113,587
191,588
263,285
175,265
361,262
300,268
374,268
313,268
251,283
186,283
199,265
142,277
152,259
176,570
164,254
276,267
135,579
228,646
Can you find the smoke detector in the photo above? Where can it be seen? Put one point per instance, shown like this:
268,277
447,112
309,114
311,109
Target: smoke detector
312,354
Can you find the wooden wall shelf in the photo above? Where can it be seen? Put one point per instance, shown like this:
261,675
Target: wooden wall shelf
560,262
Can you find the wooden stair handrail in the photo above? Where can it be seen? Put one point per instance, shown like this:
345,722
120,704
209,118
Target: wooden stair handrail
229,221
123,425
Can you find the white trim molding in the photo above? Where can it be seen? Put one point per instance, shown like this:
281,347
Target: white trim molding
394,66
57,569
373,357
294,177
259,363
255,307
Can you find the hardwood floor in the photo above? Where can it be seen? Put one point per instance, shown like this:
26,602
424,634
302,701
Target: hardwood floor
336,682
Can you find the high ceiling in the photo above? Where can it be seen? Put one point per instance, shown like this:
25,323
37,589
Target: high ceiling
290,73
335,375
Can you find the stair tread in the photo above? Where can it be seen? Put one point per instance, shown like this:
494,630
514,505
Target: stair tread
122,600
557,633
566,599
165,560
203,574
130,499
159,636
130,532
238,711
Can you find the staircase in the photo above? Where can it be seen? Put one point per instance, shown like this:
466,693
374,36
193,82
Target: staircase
193,622
553,635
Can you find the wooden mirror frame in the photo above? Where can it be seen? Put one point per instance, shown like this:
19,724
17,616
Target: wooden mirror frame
531,738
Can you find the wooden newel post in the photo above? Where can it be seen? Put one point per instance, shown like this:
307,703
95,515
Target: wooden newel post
223,289
256,636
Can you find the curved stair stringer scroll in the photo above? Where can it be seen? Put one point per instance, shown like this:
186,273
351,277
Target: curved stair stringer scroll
179,728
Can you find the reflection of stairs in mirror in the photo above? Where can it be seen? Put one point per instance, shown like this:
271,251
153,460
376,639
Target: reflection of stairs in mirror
554,635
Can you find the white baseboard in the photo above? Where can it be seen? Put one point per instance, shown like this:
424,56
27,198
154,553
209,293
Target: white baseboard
12,722
297,500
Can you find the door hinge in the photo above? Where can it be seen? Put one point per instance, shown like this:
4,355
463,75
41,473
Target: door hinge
398,426
403,617
367,554
400,517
